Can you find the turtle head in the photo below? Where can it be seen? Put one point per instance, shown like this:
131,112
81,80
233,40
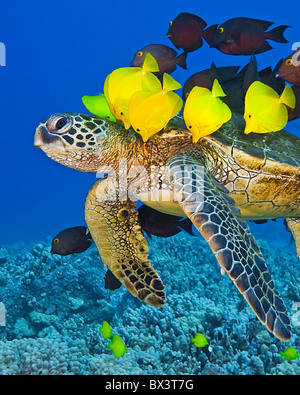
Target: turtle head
74,140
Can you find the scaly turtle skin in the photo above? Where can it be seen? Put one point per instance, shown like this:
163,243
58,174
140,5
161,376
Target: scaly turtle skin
219,182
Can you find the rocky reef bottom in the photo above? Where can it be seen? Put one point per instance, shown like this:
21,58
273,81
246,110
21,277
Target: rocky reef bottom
54,306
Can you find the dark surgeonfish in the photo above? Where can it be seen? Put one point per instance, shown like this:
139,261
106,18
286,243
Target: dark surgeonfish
165,56
71,241
205,78
290,68
187,30
268,77
162,225
230,80
294,113
110,281
246,36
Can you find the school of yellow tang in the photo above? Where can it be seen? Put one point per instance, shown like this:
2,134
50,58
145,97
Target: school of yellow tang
144,97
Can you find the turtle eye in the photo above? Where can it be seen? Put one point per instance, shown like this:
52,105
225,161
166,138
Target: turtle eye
59,123
221,30
289,62
140,53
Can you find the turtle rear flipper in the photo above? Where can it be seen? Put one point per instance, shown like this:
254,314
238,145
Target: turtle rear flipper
114,225
214,214
293,225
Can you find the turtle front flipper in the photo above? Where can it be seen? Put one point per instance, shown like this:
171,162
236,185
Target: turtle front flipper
208,205
114,226
293,225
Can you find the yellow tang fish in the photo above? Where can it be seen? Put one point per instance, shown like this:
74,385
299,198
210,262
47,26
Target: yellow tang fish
289,354
117,346
150,112
105,329
98,105
204,112
122,83
199,340
265,111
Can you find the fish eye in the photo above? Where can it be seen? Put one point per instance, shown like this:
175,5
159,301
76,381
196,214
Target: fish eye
190,127
56,241
140,53
121,113
171,23
289,62
221,30
249,116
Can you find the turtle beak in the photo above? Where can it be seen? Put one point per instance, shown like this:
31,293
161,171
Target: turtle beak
44,139
37,140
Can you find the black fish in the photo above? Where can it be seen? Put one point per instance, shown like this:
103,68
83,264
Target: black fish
250,73
71,241
165,56
262,221
162,225
246,36
205,78
268,77
110,281
294,113
187,30
231,82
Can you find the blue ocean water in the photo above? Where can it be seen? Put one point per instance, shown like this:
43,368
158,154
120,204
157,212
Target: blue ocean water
56,52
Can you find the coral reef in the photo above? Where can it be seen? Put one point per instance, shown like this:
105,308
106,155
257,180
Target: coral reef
55,305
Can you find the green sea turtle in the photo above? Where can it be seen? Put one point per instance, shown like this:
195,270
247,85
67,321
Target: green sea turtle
219,183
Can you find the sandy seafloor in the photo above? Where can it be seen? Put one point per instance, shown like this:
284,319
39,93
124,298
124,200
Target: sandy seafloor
55,305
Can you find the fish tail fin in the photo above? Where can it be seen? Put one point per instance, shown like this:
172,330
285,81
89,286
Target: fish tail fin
217,90
175,104
150,64
209,34
186,225
89,236
169,84
288,97
276,34
181,60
